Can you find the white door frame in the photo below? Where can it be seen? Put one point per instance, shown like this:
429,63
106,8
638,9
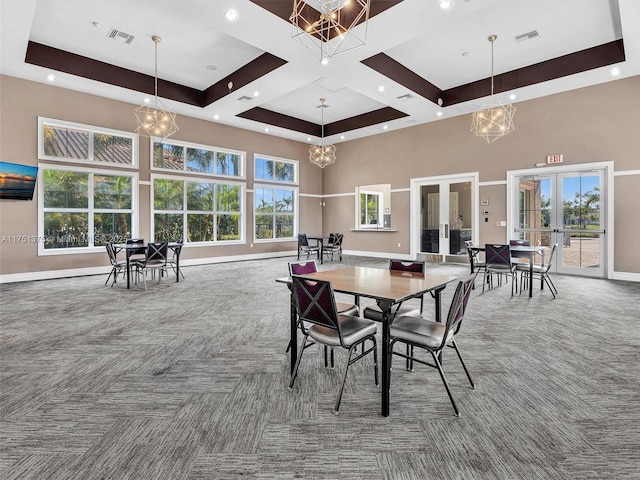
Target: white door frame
512,201
414,210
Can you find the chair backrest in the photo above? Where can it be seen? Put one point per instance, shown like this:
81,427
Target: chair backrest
111,252
178,249
337,241
157,251
458,305
496,255
468,243
302,240
332,239
549,262
316,303
136,241
302,268
515,243
407,266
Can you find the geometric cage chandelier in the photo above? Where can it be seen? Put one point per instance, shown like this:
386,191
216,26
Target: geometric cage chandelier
322,153
494,120
155,121
327,27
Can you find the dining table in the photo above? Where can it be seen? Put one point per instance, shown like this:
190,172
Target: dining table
131,248
519,251
387,288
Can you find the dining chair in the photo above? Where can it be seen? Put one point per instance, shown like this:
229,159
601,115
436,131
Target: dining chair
316,305
173,260
540,271
310,266
434,336
476,264
334,245
155,260
498,261
117,266
139,253
374,312
304,247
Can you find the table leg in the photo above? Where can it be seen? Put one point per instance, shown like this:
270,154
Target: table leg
293,339
531,274
437,296
385,306
128,269
177,268
321,243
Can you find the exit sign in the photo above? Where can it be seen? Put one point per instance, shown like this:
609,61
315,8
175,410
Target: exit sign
555,158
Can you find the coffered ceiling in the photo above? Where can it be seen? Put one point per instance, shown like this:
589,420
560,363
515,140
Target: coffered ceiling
420,63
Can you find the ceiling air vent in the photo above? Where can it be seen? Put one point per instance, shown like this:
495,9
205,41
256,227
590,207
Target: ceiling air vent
245,99
120,36
406,97
527,36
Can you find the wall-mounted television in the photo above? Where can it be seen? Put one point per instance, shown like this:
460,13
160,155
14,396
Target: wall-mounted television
17,182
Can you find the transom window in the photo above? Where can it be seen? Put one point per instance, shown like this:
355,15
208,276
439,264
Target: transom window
197,210
275,169
200,159
75,142
84,208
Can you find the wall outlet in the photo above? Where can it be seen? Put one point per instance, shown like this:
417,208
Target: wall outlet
251,245
398,244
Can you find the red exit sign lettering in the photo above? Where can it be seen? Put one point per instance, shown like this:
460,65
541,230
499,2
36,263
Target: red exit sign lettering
555,158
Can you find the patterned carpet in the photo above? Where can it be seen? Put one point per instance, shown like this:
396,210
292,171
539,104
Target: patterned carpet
190,382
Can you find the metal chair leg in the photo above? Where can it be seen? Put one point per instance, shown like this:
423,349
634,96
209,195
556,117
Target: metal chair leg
295,369
446,385
455,346
344,379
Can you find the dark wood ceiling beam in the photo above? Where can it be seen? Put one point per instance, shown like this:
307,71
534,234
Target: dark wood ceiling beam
577,62
363,120
62,61
262,115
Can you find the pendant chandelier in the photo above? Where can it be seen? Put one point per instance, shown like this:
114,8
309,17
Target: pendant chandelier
327,27
494,120
322,154
155,121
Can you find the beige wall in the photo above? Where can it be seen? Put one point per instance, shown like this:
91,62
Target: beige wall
599,123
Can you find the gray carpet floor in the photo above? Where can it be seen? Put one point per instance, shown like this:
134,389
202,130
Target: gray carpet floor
190,382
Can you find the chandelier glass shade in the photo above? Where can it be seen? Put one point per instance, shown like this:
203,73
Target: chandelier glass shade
154,119
494,120
327,27
322,154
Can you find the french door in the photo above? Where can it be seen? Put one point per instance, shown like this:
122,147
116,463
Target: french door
443,216
567,208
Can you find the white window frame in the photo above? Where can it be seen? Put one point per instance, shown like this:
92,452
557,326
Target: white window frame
185,212
90,209
295,214
42,121
184,171
380,209
296,169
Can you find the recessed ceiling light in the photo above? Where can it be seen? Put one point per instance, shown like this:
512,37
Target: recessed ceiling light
381,88
341,137
231,15
615,71
446,4
256,93
513,96
308,139
439,113
266,129
385,127
147,100
216,117
51,77
324,61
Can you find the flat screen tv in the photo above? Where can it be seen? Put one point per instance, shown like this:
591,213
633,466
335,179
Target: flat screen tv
17,182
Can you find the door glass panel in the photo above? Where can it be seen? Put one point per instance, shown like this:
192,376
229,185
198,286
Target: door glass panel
534,210
581,222
430,218
459,217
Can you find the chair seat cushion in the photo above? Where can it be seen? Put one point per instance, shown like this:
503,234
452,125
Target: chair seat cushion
419,331
524,267
353,330
374,313
347,309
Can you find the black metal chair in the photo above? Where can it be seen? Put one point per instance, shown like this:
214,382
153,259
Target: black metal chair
173,260
310,266
305,248
316,305
434,336
476,264
540,271
155,260
334,245
374,312
117,266
498,261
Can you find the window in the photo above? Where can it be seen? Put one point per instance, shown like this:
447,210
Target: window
370,209
275,169
82,208
197,210
74,142
275,210
199,159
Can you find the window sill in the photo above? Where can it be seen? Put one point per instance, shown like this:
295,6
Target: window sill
373,230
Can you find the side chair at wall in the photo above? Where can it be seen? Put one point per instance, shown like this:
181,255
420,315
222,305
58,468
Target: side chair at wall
432,336
334,246
499,262
305,248
316,306
154,261
540,271
117,266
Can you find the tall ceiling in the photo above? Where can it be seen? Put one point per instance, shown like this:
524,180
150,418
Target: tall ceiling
419,64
